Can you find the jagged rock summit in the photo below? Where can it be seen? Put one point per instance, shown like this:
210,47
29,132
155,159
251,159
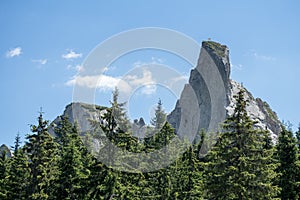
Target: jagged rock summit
214,55
204,102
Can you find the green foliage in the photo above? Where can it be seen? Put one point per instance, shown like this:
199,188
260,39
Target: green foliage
71,163
42,152
19,172
238,166
288,169
188,183
160,116
4,169
119,112
298,138
161,138
243,164
216,47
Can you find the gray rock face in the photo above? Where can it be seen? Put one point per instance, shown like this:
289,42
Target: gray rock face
81,113
6,150
209,83
214,98
257,109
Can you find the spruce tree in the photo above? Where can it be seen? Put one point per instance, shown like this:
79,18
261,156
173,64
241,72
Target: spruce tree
42,151
160,116
19,173
288,168
4,169
119,112
238,166
73,172
191,174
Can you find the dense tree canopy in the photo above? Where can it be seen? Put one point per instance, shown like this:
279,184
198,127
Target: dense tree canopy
243,164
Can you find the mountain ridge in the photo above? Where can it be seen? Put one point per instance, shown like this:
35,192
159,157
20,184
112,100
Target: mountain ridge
212,55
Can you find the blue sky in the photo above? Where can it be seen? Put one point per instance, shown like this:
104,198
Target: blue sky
43,44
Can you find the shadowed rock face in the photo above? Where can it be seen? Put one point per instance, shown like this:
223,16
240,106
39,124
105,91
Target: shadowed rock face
209,83
213,107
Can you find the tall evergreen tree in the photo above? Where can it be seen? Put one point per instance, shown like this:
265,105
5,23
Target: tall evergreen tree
238,166
42,151
4,169
160,116
119,112
71,164
288,169
191,174
19,173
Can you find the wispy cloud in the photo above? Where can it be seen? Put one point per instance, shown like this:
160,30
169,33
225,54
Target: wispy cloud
40,61
259,56
14,52
263,57
71,55
237,66
154,60
77,68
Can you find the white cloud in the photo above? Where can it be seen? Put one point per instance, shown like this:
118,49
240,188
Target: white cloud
71,54
101,82
125,84
40,61
14,52
144,80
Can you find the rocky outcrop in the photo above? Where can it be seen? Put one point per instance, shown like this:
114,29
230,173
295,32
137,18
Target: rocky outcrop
6,150
214,97
257,109
82,114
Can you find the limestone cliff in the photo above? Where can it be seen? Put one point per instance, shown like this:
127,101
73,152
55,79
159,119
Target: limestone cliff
81,113
214,55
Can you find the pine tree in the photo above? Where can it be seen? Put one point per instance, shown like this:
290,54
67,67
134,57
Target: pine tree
161,138
4,169
119,112
71,164
192,183
42,151
160,116
238,166
288,169
19,173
